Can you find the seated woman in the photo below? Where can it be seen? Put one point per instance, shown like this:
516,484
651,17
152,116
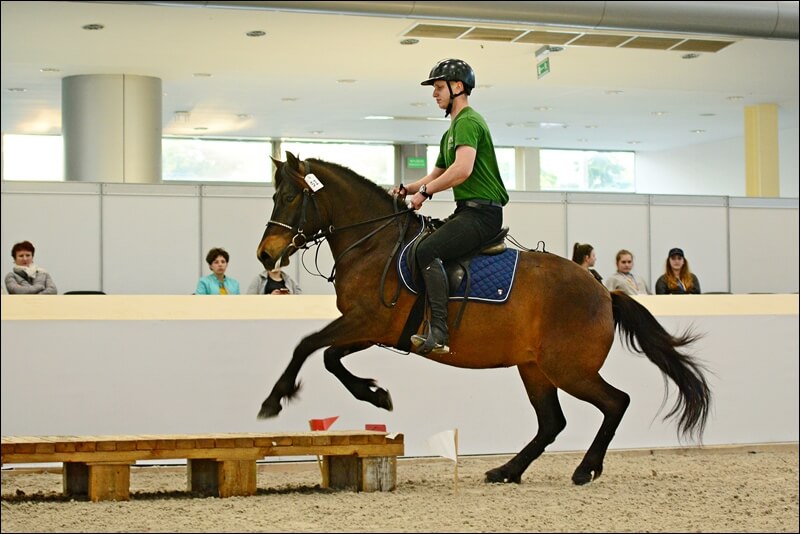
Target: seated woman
677,279
217,283
583,254
274,282
625,279
26,278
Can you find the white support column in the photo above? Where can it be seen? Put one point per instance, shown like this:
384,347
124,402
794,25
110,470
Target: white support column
112,128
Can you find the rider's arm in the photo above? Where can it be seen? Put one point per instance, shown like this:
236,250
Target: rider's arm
456,173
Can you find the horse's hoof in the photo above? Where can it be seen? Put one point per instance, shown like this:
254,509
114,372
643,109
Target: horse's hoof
383,399
579,477
498,476
269,410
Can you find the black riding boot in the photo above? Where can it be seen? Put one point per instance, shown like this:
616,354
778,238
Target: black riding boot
438,293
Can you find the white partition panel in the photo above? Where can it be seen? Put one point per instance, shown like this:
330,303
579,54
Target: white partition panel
617,222
764,248
64,228
151,239
535,217
234,218
700,230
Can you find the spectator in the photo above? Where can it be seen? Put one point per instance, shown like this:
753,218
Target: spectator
275,282
217,283
677,279
624,280
583,254
26,278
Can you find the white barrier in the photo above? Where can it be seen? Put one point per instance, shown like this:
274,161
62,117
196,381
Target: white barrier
140,364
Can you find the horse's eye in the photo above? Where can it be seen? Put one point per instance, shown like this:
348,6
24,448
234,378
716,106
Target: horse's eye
289,198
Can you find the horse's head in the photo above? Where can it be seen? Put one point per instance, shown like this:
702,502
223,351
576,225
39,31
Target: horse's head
294,214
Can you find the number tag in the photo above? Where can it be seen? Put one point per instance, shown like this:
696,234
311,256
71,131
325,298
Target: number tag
313,182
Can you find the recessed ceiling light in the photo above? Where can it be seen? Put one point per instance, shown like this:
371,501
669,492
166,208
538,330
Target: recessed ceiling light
288,99
614,92
591,126
659,113
409,41
552,125
49,69
708,114
418,104
485,86
200,128
634,142
690,55
697,131
243,116
93,26
346,80
582,140
256,33
542,108
16,89
735,98
379,117
532,138
315,132
201,75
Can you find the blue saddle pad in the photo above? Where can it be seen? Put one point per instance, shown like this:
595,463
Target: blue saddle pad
491,277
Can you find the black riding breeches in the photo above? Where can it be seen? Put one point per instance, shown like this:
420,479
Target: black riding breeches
468,228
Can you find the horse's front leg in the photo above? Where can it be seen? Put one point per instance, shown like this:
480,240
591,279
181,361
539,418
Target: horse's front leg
287,385
365,389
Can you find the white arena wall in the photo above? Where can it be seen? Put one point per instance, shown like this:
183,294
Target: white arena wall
141,364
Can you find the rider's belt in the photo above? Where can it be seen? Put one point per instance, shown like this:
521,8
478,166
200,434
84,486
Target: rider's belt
477,203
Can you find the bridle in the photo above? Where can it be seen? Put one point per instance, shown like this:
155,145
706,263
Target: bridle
300,241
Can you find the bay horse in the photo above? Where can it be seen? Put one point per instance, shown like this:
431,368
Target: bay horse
557,327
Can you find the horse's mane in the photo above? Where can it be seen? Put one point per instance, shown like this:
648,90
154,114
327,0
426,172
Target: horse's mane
352,175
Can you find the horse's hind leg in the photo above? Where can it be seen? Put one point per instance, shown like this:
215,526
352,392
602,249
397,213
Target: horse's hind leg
365,389
544,398
612,403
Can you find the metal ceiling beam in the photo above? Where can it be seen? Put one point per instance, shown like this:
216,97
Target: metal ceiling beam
753,19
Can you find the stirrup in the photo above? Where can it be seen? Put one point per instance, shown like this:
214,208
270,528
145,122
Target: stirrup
418,341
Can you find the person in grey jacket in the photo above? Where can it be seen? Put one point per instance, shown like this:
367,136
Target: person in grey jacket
26,278
275,282
624,279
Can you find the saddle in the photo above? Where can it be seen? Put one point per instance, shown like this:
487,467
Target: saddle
492,265
457,269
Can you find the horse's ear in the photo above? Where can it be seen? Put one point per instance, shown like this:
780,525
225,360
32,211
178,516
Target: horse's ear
278,176
292,160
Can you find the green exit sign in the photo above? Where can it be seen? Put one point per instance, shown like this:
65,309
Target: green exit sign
416,163
543,67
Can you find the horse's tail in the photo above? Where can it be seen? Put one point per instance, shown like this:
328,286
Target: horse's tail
642,333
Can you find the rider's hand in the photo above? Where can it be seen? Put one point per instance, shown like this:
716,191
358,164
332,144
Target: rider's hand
415,202
399,191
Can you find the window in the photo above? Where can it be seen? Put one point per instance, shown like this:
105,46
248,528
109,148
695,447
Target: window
33,158
586,170
374,162
505,161
216,160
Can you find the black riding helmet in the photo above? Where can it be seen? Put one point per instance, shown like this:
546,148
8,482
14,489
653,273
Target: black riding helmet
452,70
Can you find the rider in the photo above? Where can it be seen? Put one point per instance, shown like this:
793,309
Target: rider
467,164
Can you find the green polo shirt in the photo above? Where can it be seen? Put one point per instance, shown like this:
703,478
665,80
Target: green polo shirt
485,182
